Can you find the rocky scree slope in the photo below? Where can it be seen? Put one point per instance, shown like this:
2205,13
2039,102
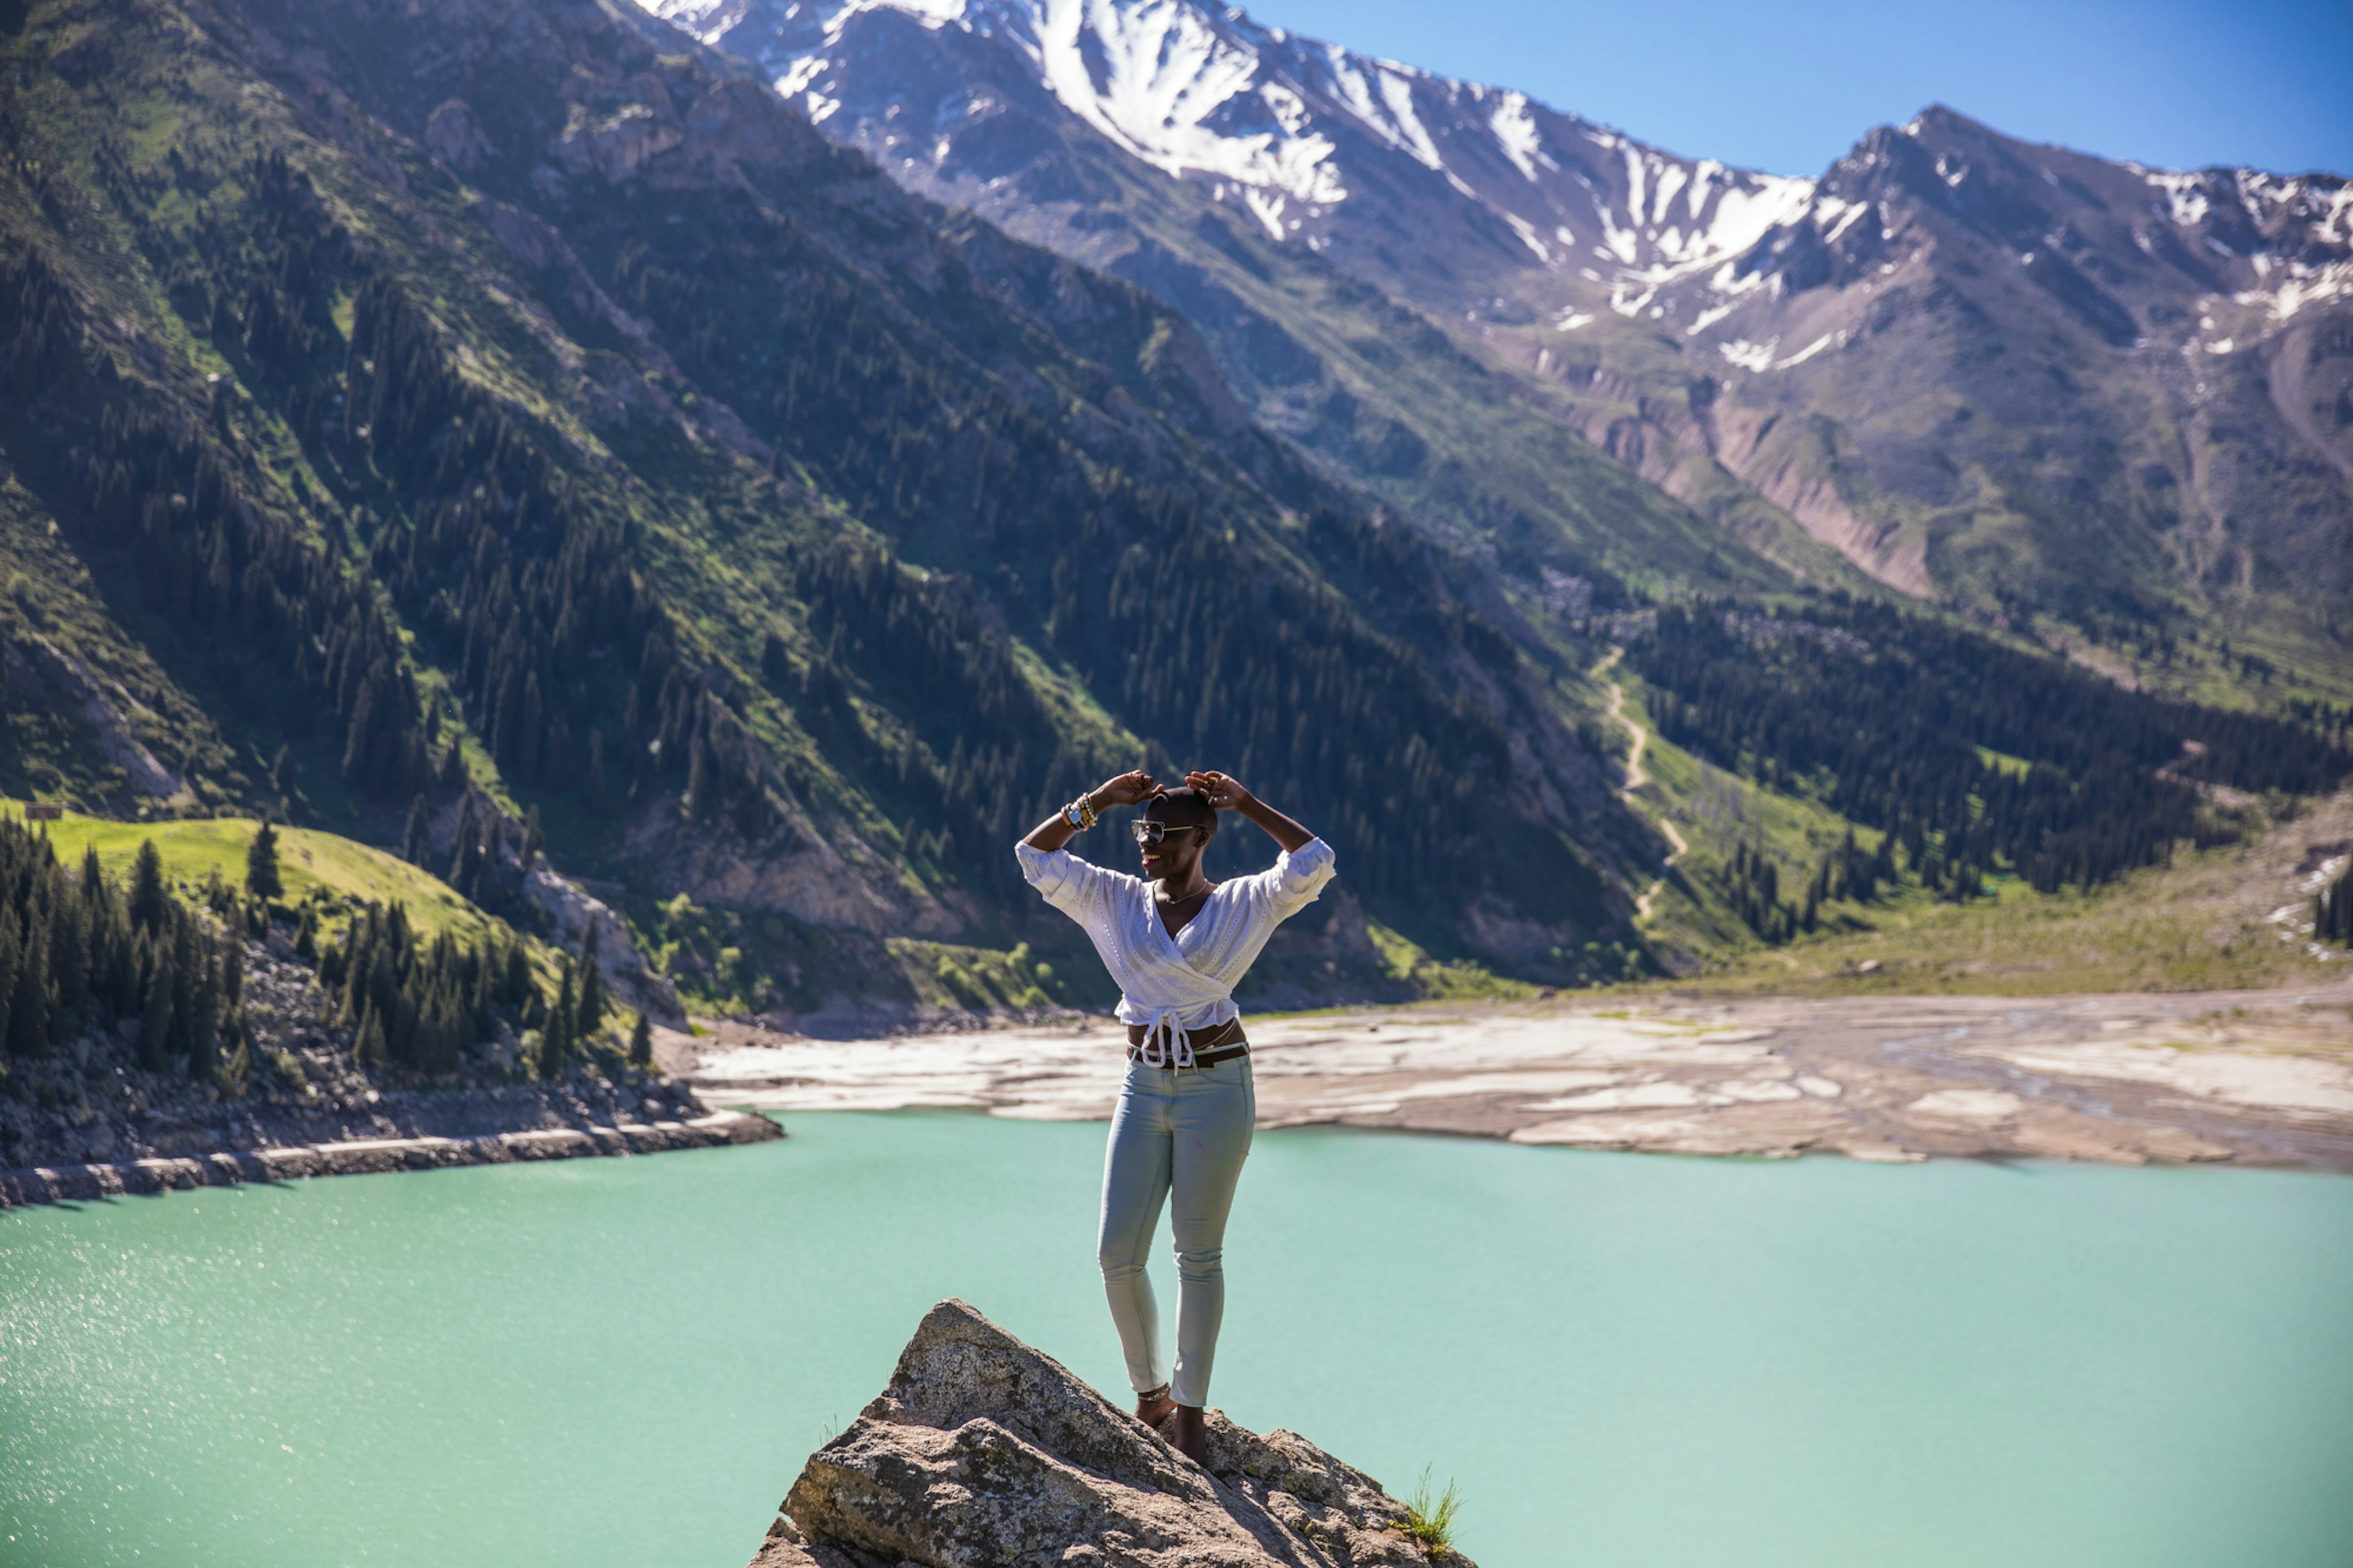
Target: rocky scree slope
981,1450
519,404
2110,403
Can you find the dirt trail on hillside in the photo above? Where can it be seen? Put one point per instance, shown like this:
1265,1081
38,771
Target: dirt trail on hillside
1636,778
2255,1077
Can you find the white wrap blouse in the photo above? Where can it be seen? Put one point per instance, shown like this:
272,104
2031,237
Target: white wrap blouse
1180,985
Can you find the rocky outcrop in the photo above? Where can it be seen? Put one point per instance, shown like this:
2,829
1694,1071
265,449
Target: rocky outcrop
983,1451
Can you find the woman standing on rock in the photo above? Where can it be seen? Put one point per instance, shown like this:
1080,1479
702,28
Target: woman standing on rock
1177,944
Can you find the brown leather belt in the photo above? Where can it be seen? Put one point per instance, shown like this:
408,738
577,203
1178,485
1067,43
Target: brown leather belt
1210,1046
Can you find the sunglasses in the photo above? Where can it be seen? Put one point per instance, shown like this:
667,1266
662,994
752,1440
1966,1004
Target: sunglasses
1153,832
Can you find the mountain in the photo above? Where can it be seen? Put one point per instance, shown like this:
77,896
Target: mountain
2100,404
515,409
507,432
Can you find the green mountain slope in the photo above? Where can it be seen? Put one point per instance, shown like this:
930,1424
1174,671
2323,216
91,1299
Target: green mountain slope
503,402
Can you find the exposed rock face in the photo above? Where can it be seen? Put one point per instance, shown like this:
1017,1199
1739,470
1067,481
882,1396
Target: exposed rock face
982,1451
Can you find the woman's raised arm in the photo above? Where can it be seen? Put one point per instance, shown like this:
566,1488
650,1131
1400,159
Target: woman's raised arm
1056,830
1226,795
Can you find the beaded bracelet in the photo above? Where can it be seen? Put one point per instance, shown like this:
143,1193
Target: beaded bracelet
1081,814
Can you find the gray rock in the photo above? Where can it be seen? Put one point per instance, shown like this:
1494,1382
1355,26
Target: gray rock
984,1452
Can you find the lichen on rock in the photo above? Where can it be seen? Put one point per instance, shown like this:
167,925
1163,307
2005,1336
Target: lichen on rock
983,1451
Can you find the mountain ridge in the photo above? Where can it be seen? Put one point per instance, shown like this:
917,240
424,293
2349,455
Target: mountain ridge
1747,342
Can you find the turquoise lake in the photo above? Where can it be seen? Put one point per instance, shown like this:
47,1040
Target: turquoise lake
1625,1360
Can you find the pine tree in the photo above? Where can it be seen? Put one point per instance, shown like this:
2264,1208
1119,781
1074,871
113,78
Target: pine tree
237,1066
416,840
261,878
533,841
698,781
28,1006
592,1007
2332,912
641,1043
599,799
463,855
368,1045
203,1026
11,960
149,903
557,1036
155,1016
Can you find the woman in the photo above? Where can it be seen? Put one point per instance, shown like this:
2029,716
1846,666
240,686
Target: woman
1177,944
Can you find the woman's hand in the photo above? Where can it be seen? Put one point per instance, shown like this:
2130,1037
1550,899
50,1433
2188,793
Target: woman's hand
1228,794
1221,791
1127,789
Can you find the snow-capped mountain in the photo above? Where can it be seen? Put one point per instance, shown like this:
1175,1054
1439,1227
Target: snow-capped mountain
1315,142
1978,368
1321,145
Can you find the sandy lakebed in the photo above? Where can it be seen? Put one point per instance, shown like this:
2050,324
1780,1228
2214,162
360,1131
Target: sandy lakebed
2252,1077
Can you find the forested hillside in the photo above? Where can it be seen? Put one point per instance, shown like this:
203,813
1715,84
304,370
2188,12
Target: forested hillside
1971,757
505,405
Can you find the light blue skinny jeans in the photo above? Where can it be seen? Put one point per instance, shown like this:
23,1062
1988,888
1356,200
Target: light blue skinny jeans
1185,1132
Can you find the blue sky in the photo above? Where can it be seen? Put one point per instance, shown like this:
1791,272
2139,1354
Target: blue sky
1790,88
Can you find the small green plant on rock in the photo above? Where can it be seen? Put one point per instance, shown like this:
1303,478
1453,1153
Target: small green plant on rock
1430,1520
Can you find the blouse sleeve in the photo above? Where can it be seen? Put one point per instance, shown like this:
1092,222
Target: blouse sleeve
1072,884
1297,876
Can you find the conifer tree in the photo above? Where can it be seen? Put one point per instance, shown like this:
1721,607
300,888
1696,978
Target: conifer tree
462,856
533,841
2332,912
641,1043
416,840
202,1027
28,1007
149,903
698,781
11,960
592,1005
368,1046
599,799
557,1036
236,1065
155,1016
261,878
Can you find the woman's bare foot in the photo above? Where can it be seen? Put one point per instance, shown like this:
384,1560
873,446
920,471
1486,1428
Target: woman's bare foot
1154,1406
1189,1434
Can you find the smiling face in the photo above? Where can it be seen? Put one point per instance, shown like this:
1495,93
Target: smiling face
1190,821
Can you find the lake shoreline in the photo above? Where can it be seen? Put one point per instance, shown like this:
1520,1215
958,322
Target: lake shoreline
2249,1078
85,1182
406,1139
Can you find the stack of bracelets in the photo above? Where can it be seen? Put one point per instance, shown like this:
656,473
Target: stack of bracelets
1081,813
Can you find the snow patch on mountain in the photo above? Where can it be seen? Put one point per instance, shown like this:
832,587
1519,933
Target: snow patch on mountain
1515,132
1323,146
1203,92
